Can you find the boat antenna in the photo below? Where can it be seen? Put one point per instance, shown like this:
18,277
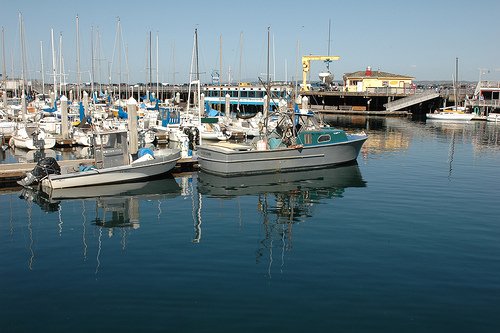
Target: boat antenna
268,33
328,54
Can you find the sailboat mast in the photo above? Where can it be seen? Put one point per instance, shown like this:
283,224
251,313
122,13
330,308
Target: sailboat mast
157,68
92,61
54,75
274,61
297,68
239,71
150,64
21,43
60,64
220,72
196,54
78,74
41,69
268,34
268,90
191,71
329,34
119,63
456,79
173,64
4,69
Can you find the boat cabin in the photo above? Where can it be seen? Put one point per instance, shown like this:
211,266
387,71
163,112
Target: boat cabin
325,136
111,149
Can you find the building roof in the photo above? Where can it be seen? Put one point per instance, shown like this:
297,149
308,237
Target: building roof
377,75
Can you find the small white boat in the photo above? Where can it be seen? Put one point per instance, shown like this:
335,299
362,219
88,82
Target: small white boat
451,113
7,128
326,77
213,130
493,117
112,165
32,138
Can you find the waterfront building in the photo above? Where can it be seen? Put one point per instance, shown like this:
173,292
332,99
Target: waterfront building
377,81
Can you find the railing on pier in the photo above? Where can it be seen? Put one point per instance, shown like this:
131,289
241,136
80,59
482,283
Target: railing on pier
411,100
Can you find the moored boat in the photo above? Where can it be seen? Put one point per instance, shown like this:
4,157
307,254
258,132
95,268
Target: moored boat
112,165
493,117
451,113
32,138
298,144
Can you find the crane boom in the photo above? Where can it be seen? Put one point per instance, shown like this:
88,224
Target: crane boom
306,66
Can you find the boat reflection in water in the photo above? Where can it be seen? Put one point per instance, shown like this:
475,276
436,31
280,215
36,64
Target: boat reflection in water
282,200
294,192
117,205
315,184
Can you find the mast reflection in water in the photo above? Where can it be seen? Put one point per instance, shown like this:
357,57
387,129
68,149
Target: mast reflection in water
283,199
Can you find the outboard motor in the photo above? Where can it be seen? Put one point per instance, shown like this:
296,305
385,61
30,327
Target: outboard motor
193,135
44,167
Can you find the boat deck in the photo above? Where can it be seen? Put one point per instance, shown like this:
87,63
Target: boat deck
231,146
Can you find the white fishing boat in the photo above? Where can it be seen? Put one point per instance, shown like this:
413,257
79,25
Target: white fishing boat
113,164
298,142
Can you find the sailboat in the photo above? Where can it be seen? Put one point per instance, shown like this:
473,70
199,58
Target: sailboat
32,137
28,136
454,112
298,141
196,125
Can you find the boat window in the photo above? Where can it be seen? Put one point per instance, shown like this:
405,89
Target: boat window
307,139
324,138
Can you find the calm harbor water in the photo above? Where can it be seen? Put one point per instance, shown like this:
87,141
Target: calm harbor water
406,240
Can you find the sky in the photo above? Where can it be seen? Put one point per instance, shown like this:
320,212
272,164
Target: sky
421,39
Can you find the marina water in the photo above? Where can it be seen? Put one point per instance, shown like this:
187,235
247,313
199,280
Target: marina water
407,240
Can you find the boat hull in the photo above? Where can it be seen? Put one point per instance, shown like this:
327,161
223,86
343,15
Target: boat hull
493,117
221,160
113,175
27,143
450,116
